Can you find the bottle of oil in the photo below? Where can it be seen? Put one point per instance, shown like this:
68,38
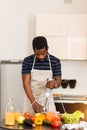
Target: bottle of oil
10,113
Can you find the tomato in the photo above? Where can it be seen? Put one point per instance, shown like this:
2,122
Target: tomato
27,115
58,117
32,118
56,122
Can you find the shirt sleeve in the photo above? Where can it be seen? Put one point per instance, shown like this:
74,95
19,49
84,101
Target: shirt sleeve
57,69
25,67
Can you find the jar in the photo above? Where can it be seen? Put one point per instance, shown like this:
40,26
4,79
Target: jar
10,113
17,114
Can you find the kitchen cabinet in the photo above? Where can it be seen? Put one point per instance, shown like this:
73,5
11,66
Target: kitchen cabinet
66,34
58,46
51,24
54,28
77,24
77,36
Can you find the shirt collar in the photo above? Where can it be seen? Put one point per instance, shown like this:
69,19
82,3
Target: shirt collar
46,59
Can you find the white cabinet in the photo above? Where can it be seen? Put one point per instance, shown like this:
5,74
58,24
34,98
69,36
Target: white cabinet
77,25
77,48
51,24
58,46
77,36
54,28
66,34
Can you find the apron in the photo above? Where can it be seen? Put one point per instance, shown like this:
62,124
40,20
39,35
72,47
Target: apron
38,86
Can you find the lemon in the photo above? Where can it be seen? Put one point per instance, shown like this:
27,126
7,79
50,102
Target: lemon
20,119
37,114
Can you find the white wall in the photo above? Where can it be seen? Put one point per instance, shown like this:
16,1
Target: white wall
18,23
74,70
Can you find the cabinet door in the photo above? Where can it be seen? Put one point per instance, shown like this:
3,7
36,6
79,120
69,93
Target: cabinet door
60,27
77,36
77,25
54,27
58,47
77,48
51,24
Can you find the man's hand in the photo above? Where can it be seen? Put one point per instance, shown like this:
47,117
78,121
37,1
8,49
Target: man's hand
50,83
37,107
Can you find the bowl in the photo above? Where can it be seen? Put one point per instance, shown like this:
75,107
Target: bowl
64,83
72,83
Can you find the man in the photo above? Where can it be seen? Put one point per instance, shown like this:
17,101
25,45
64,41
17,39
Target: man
37,70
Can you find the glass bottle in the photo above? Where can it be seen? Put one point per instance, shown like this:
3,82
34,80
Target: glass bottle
10,113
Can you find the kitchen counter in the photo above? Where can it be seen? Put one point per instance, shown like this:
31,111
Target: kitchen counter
11,61
59,98
44,127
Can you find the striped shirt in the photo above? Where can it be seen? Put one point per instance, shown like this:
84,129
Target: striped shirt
42,65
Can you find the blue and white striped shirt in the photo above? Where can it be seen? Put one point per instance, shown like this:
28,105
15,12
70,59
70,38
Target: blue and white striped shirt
42,65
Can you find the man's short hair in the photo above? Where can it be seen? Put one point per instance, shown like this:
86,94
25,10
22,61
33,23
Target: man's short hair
39,42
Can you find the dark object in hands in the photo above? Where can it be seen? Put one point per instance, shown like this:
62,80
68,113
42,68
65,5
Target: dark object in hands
72,83
64,83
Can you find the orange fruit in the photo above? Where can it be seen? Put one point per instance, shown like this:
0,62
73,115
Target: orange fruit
49,116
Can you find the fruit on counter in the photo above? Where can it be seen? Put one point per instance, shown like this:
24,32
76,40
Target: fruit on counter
29,122
50,115
38,119
46,122
27,115
32,118
20,119
42,115
49,118
79,114
73,118
52,119
56,122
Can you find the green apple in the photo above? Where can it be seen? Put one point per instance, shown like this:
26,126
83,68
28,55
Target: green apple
20,119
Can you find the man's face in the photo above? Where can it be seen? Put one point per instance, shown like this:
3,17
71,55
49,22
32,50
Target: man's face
41,54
